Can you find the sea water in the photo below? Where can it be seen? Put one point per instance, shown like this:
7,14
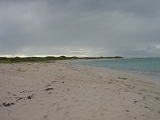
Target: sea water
141,66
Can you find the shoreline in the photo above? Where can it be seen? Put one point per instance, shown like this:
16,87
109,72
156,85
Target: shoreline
148,76
47,91
143,75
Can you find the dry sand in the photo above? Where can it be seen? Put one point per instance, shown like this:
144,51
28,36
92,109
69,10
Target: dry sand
60,91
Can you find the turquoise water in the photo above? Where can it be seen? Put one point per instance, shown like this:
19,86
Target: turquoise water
140,65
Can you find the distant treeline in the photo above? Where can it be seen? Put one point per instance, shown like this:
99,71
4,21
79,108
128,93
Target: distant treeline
101,57
48,58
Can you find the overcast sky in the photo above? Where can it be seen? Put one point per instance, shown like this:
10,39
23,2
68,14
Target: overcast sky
129,28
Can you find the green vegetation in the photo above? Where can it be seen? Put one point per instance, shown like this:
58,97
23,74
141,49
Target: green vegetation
47,59
102,57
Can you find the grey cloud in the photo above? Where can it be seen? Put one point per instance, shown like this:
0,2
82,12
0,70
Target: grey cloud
143,7
100,28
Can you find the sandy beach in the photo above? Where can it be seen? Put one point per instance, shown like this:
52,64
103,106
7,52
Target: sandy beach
62,91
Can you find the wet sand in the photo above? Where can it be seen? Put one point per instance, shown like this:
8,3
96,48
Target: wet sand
61,91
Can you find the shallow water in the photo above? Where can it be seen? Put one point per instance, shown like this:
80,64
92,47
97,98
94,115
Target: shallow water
143,67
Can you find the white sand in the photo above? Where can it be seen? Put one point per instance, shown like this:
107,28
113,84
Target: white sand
59,91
